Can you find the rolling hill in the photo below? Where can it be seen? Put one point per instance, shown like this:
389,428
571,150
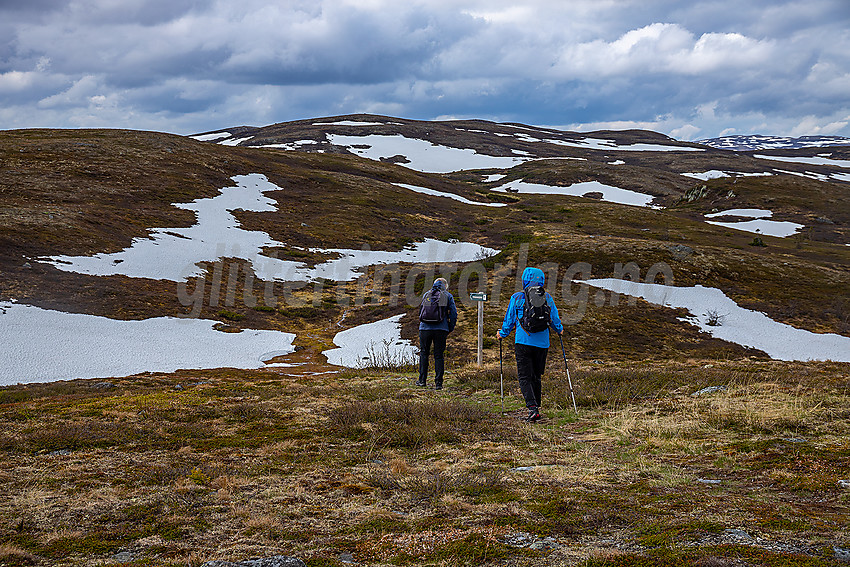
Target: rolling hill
768,228
207,347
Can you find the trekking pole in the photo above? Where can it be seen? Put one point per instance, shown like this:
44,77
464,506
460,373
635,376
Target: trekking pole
501,377
570,380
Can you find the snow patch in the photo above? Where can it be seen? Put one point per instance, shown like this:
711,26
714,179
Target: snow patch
717,174
290,146
818,160
602,144
41,345
609,193
174,253
753,213
707,175
373,343
235,141
780,229
210,137
738,325
808,175
352,123
435,193
422,154
764,227
346,267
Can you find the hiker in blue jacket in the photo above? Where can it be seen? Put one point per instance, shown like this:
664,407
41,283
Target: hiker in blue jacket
434,328
531,347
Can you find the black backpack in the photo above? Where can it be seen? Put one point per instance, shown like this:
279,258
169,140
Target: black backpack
535,312
431,310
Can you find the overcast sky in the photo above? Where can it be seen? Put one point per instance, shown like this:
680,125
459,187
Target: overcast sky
688,68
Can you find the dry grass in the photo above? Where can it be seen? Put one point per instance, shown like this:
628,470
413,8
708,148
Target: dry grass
250,464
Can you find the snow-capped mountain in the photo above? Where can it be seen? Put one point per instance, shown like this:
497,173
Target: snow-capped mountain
761,142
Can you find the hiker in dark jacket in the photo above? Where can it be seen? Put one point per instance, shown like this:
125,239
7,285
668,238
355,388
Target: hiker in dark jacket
431,332
531,348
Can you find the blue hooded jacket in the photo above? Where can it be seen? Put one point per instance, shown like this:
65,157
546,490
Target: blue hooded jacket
448,322
530,277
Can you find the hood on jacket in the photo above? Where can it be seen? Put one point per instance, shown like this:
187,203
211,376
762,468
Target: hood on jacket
533,276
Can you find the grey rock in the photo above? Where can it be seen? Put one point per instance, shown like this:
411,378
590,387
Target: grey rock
545,544
708,481
275,561
123,557
519,539
709,390
102,386
59,453
346,558
841,554
737,534
531,541
680,251
844,484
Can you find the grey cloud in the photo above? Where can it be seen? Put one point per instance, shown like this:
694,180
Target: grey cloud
201,65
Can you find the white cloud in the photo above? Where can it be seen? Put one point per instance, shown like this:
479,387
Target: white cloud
686,132
664,48
814,126
16,81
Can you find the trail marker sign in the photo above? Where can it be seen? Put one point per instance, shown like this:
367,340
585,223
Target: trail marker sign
480,297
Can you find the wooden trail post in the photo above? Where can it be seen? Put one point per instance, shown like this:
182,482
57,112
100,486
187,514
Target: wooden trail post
480,297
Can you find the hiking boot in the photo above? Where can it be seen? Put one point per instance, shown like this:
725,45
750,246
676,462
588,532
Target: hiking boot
438,386
420,383
533,415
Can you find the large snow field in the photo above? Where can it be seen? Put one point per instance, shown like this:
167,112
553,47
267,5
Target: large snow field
737,325
435,193
423,155
377,343
173,253
41,345
609,193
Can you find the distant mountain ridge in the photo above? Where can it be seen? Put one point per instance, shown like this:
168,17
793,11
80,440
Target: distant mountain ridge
761,142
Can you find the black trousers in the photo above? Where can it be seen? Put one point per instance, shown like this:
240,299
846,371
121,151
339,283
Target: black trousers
438,340
530,364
